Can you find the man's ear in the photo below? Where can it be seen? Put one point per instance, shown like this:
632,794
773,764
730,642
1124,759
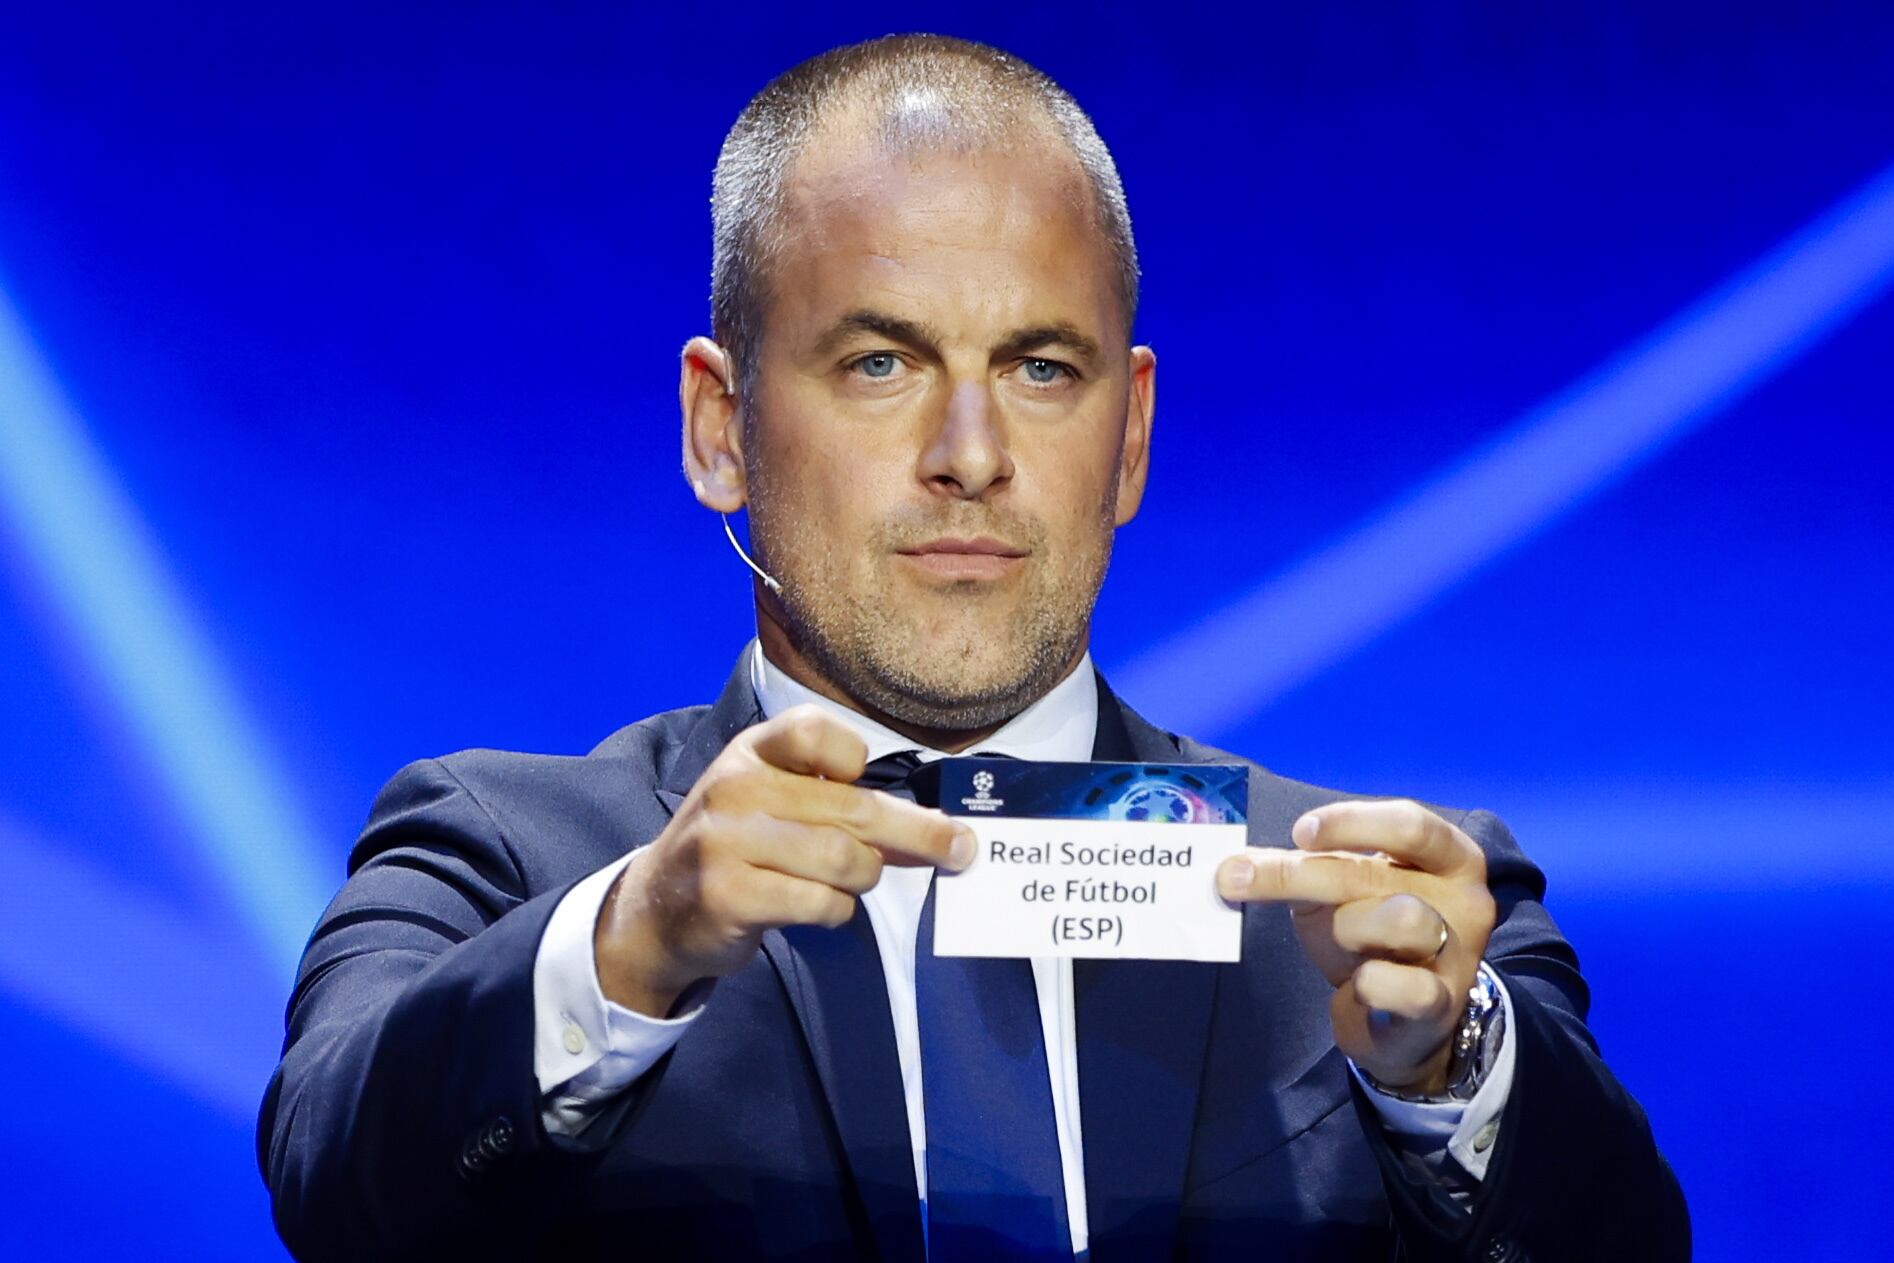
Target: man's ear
1135,459
713,441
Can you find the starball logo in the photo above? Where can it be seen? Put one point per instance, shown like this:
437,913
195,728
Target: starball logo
983,799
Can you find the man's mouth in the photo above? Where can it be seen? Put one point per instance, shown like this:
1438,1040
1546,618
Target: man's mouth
954,559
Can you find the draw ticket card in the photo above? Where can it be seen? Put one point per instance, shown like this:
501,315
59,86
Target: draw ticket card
1092,859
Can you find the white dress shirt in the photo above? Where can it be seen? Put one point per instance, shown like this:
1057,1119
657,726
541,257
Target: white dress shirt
588,1049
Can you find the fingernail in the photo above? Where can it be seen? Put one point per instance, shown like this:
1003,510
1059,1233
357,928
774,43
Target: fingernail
960,850
1303,834
1237,875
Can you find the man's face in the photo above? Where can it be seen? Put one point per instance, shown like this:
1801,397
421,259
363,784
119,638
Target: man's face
938,432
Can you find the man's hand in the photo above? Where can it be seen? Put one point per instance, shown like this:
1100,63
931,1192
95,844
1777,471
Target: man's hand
1391,903
772,834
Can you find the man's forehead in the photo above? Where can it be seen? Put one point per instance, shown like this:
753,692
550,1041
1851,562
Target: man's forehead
1004,226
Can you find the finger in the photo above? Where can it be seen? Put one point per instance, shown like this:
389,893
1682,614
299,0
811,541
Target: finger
1395,1050
809,741
1265,874
753,899
821,853
1405,830
905,833
1406,992
1315,931
1403,928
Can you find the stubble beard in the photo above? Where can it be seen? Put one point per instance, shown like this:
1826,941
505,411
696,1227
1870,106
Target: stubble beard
943,662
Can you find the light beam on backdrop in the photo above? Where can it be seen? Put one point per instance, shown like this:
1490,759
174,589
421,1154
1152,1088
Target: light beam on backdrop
1314,614
159,990
109,582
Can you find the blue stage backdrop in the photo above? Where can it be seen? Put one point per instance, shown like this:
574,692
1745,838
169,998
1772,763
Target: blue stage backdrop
1526,391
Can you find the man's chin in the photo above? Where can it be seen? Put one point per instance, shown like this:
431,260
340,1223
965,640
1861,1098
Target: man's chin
948,706
974,651
939,657
971,676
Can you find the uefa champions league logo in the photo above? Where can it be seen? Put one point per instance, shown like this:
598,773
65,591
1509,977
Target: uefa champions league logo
983,799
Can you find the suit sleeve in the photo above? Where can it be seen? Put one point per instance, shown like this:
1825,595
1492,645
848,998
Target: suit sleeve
1575,1173
405,1114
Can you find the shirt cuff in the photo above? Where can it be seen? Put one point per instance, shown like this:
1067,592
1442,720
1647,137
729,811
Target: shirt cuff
586,1049
1467,1130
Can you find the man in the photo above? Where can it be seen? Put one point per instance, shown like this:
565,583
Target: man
674,999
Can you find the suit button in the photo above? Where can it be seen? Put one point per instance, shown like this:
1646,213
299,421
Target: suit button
485,1149
1500,1250
497,1140
472,1165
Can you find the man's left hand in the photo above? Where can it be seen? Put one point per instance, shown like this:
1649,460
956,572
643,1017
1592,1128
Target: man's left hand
1390,902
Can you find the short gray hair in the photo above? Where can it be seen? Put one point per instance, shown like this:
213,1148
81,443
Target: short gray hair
924,89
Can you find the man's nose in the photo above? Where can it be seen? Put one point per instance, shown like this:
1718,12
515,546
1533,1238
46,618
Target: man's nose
966,455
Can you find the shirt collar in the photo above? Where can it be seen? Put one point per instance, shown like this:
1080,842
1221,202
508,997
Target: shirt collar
1060,727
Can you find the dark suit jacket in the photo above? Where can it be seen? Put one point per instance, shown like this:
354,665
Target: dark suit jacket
403,1121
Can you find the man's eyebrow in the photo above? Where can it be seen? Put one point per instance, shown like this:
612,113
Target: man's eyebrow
1059,334
894,328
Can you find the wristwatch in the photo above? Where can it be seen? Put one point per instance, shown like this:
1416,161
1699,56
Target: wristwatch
1475,1047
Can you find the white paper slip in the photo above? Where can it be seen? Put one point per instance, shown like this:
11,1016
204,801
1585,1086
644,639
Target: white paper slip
1110,860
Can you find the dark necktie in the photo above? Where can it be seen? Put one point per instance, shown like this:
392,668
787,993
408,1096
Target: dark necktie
995,1185
894,773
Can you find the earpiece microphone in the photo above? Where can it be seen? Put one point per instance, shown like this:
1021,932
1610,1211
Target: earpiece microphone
769,580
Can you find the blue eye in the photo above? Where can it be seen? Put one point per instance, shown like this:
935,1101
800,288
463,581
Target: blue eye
880,364
1043,372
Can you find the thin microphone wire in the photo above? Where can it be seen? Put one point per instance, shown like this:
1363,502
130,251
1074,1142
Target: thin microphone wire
768,580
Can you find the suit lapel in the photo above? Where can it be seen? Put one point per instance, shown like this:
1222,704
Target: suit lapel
835,986
1143,1027
835,983
734,710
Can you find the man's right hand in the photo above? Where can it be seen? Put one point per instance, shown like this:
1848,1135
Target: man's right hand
774,833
